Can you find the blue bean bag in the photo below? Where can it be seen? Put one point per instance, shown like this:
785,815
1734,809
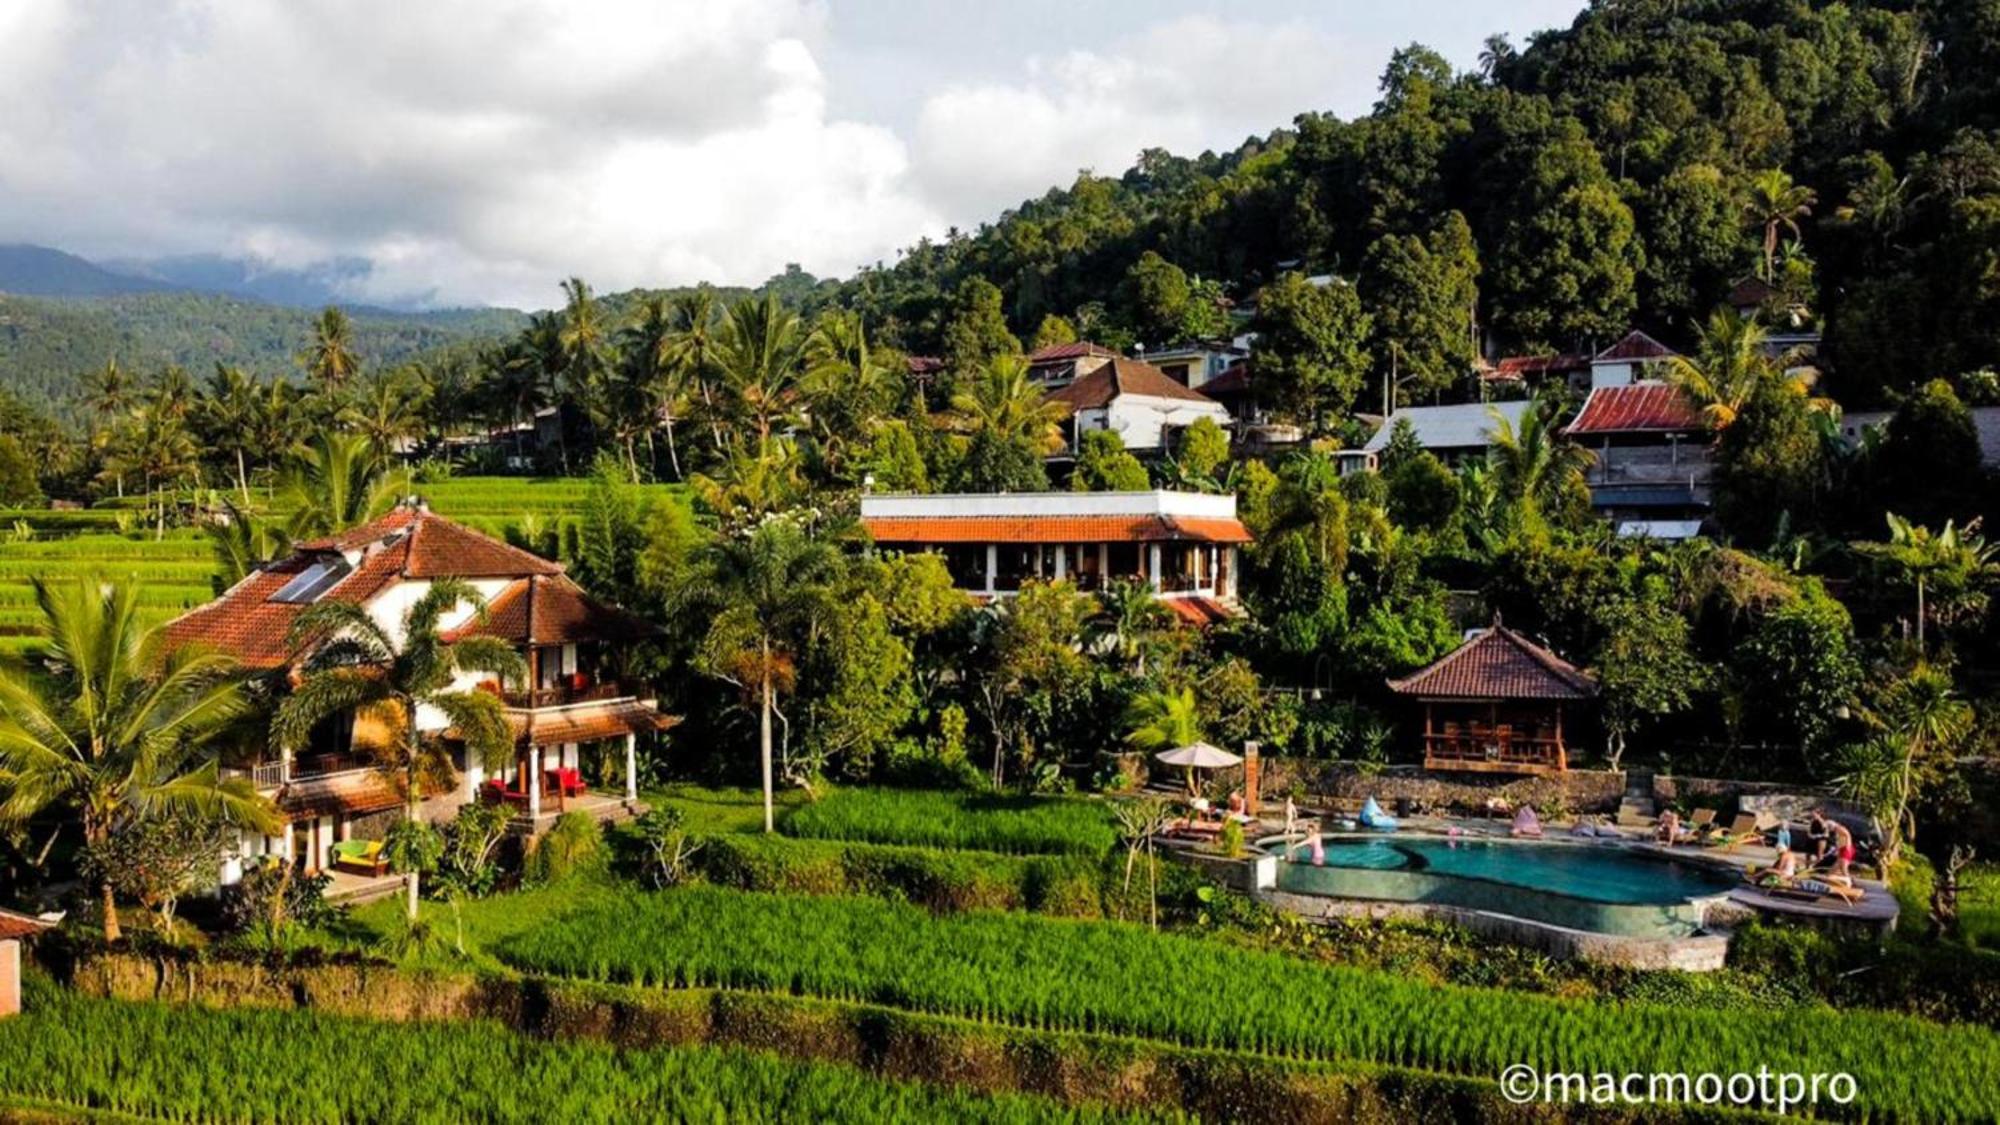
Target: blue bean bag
1372,817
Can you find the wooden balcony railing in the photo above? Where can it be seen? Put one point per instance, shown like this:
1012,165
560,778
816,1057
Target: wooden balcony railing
1494,751
565,694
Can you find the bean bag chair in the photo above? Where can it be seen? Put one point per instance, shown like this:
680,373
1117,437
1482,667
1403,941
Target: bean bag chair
1373,818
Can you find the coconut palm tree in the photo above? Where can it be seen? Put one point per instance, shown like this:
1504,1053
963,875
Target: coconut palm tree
112,727
1949,569
338,481
757,353
388,410
1132,618
772,585
1162,720
655,369
228,414
692,350
155,447
357,665
1773,203
847,386
1534,466
1731,364
582,340
1004,404
329,357
241,542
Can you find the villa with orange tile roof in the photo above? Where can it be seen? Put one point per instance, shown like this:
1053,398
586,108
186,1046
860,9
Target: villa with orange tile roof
1183,544
575,695
1135,400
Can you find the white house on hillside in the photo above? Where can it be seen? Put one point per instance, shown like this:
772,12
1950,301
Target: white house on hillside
1454,433
1136,401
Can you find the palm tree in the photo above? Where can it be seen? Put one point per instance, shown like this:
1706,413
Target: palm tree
1534,466
338,481
1952,566
273,426
329,358
772,584
693,350
359,666
846,385
107,391
752,483
1731,364
655,371
1921,719
156,447
228,416
242,541
582,339
113,727
1005,405
757,353
1164,720
1132,618
388,411
1773,203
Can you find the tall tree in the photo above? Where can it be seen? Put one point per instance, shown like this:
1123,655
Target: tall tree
1012,426
357,665
758,353
1730,364
329,357
228,417
114,728
771,586
977,332
1773,205
1312,348
1424,296
1948,570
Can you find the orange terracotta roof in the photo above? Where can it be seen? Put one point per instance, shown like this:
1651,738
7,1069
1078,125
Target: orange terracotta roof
589,722
15,926
1199,611
1498,663
1054,529
245,624
1637,408
558,611
1118,377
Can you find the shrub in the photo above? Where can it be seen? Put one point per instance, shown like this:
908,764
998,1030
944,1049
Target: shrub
469,863
573,846
248,903
1231,840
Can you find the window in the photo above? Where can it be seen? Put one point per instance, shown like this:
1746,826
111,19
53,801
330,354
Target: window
313,582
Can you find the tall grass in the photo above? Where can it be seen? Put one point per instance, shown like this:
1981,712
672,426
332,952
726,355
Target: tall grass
983,822
1093,976
260,1065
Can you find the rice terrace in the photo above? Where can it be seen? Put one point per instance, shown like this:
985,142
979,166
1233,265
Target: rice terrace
835,562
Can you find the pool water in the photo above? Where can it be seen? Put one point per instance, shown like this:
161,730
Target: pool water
1596,874
1598,888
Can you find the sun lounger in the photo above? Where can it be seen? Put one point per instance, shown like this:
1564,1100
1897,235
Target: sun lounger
1807,889
1746,828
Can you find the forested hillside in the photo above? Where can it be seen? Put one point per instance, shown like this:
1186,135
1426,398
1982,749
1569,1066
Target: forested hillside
1623,171
47,344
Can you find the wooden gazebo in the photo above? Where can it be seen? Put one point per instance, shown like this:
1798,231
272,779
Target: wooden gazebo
1495,704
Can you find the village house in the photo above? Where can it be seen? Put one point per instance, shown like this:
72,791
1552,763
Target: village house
15,929
1856,424
1136,401
575,696
1059,365
1653,458
1497,704
1183,544
1455,434
1195,363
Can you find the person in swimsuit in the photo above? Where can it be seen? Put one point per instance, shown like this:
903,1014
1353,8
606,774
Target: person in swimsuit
1843,850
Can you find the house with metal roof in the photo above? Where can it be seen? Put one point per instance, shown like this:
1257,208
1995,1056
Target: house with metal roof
1136,401
1183,544
1654,457
575,693
1455,433
1059,365
1496,704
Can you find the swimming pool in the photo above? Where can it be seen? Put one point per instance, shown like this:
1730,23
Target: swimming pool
1605,889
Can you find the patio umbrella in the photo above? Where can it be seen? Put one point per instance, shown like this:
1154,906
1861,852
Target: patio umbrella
1199,756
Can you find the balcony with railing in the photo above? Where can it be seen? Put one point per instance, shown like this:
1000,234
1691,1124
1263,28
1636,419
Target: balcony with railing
566,694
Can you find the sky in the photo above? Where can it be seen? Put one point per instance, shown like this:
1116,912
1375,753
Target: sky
478,151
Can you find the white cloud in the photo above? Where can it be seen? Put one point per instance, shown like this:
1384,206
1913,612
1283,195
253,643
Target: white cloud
1192,83
479,149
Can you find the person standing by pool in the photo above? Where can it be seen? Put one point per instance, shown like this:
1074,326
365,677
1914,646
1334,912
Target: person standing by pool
1843,850
1818,833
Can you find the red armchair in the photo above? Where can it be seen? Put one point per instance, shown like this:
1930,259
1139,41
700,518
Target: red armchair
568,782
